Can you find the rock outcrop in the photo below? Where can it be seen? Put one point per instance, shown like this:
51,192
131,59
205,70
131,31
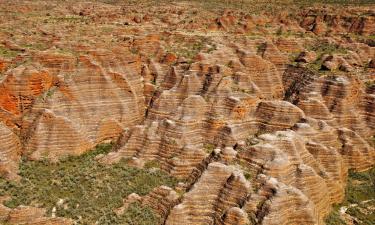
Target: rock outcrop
26,215
10,153
204,205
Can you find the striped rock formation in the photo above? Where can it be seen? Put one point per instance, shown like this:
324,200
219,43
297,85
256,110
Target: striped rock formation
203,205
260,115
69,114
10,153
25,215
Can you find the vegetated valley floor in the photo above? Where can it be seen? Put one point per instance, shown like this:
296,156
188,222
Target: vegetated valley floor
80,188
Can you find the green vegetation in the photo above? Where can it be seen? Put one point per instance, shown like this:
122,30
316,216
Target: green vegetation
6,53
208,147
249,172
359,198
361,186
372,141
327,48
248,175
89,190
334,217
138,214
38,46
48,93
152,164
289,33
370,83
189,51
322,49
188,47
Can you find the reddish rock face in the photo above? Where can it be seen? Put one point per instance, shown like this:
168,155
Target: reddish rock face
170,58
261,113
3,65
20,88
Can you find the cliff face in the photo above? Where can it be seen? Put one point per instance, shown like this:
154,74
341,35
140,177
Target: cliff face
260,117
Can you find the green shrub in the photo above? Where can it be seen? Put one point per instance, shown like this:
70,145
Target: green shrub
361,186
364,214
334,219
137,214
208,147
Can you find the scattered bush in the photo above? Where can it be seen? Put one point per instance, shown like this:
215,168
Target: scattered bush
334,219
361,186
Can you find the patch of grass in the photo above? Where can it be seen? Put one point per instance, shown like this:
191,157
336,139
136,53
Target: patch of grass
322,48
37,46
90,190
107,29
152,164
48,94
208,147
188,48
138,214
370,83
288,33
334,218
360,190
6,53
361,186
247,175
250,173
372,141
190,51
364,213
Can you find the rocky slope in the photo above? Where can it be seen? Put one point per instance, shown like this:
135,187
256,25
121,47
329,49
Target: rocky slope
259,113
